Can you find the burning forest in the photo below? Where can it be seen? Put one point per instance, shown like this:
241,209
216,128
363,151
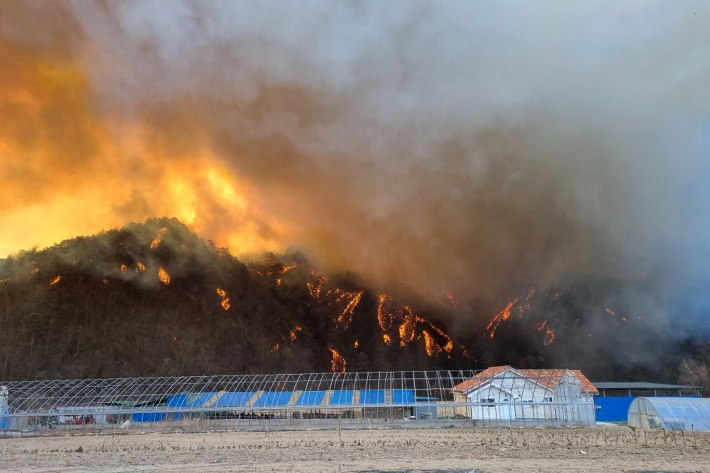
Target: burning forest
380,189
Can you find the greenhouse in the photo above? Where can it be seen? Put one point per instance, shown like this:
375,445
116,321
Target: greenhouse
341,400
670,413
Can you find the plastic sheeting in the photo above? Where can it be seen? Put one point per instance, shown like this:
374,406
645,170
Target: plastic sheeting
671,413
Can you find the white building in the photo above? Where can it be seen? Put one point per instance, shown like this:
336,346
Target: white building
503,393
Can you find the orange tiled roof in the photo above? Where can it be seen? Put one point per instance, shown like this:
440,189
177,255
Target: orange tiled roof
548,378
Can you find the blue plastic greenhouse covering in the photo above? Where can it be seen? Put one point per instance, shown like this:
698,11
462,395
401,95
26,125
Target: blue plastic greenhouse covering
274,399
341,397
403,396
612,409
683,413
310,398
372,396
234,399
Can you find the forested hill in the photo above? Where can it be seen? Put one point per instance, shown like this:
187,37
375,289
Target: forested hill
155,299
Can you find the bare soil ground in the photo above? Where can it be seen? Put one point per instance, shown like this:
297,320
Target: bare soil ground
386,450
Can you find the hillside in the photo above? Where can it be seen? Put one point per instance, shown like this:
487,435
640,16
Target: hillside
155,299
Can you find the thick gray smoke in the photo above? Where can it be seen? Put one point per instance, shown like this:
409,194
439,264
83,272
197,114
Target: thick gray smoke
466,147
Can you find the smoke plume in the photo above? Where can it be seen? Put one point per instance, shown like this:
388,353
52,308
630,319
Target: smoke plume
473,148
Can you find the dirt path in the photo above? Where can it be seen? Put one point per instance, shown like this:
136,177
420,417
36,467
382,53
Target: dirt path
487,450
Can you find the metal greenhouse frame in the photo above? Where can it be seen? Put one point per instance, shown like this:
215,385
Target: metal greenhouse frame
339,400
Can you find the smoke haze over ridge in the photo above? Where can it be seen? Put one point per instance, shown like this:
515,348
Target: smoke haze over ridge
436,147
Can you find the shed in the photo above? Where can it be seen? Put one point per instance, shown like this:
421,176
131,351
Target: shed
614,398
671,413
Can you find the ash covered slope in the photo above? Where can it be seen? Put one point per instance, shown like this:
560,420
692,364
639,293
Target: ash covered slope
154,299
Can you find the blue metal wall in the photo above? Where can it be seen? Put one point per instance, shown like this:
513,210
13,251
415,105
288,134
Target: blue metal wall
612,409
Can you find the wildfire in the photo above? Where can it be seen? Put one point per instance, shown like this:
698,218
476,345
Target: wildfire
124,268
610,312
140,267
164,276
449,342
353,299
293,334
406,328
541,326
275,348
356,344
34,271
316,288
105,281
501,316
224,299
285,270
432,348
531,294
55,280
387,339
338,363
5,280
385,318
158,237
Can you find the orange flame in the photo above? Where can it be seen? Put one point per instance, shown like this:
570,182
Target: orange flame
609,311
225,300
275,348
285,270
105,281
164,276
406,328
140,267
124,268
34,271
316,288
55,280
353,299
500,317
5,280
338,363
158,237
387,339
542,325
432,348
356,344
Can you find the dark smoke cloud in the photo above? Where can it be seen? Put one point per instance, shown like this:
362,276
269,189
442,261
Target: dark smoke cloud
472,147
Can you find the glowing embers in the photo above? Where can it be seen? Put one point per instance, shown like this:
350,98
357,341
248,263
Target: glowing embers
124,268
140,267
500,317
34,271
549,332
293,334
275,348
387,339
273,269
315,288
351,300
164,276
338,363
285,270
158,237
55,280
356,344
224,300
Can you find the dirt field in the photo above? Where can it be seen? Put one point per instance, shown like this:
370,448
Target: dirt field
394,450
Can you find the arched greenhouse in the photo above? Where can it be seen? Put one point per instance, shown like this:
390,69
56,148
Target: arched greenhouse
670,413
